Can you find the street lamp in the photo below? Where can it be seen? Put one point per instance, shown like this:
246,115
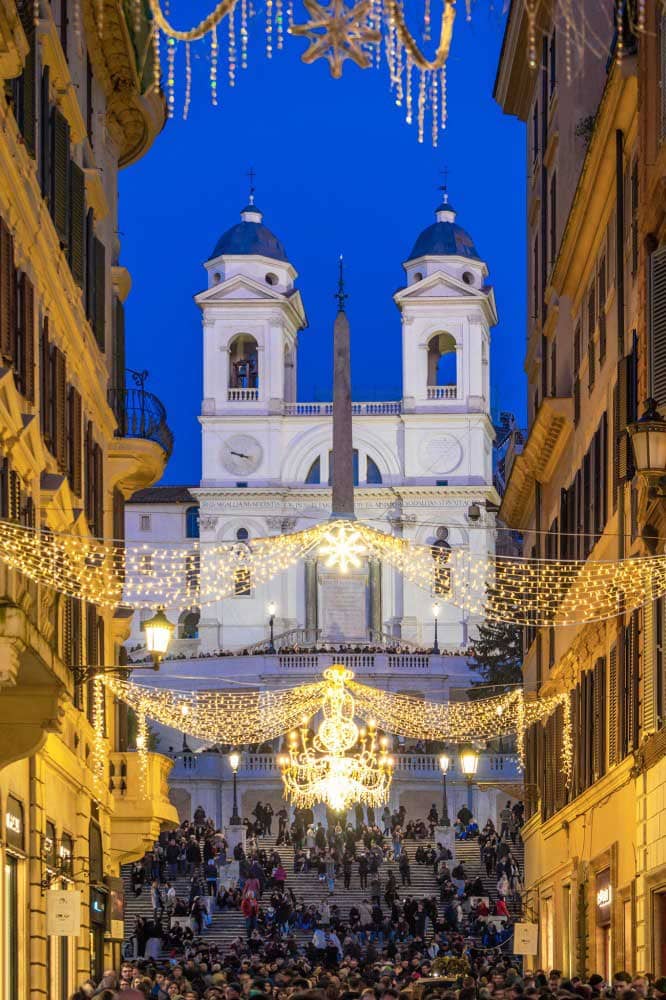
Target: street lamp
158,631
272,608
648,440
234,761
469,763
435,613
444,761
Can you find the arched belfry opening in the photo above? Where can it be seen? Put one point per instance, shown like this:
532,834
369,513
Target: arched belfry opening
243,362
442,370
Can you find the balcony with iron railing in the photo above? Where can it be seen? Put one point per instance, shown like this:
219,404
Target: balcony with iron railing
143,439
140,414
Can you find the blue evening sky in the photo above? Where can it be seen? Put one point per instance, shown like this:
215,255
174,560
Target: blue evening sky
338,170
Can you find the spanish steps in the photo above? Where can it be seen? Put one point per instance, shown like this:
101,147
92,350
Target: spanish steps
229,924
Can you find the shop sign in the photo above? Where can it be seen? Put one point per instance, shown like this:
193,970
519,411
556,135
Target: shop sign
525,939
14,823
603,897
63,913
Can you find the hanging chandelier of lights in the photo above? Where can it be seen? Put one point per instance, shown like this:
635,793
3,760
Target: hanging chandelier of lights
329,768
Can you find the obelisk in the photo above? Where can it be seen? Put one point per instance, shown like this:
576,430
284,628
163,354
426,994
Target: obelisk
342,505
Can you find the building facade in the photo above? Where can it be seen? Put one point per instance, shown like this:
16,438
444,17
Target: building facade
422,464
594,851
76,104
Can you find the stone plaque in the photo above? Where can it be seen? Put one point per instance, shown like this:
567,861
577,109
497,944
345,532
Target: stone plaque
343,606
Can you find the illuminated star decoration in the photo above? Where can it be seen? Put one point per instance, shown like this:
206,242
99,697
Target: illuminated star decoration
337,32
342,546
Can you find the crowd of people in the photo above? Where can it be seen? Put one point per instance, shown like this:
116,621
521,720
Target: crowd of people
459,970
253,880
389,946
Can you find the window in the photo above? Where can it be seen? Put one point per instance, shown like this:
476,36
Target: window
372,474
535,278
271,279
535,131
243,362
662,75
242,534
242,582
634,217
192,522
601,307
552,65
313,477
144,522
442,360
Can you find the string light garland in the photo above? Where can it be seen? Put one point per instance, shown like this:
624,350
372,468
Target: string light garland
242,718
222,717
532,592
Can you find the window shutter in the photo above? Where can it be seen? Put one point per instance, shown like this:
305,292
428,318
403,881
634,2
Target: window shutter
60,428
28,328
590,365
60,175
118,515
89,264
613,694
649,713
576,395
77,223
598,747
7,291
45,382
98,459
89,503
45,139
601,305
75,440
29,77
118,345
99,315
657,323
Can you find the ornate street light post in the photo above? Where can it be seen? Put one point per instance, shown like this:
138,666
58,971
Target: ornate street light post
444,761
272,608
469,763
435,613
234,761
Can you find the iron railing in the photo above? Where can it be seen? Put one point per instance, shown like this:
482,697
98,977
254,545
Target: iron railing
140,414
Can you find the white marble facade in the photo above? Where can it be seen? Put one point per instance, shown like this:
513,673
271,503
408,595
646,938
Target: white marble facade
421,460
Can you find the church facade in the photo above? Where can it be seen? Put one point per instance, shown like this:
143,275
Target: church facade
422,463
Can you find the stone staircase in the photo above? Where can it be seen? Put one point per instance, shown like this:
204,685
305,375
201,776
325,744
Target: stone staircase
229,924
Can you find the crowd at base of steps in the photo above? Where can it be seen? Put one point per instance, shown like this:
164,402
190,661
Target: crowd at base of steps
461,971
255,882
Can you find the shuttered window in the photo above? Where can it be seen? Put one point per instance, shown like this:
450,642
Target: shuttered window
576,396
613,693
59,390
657,323
118,345
45,385
599,720
45,136
60,176
24,87
7,293
25,339
602,310
77,223
74,439
99,314
649,668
